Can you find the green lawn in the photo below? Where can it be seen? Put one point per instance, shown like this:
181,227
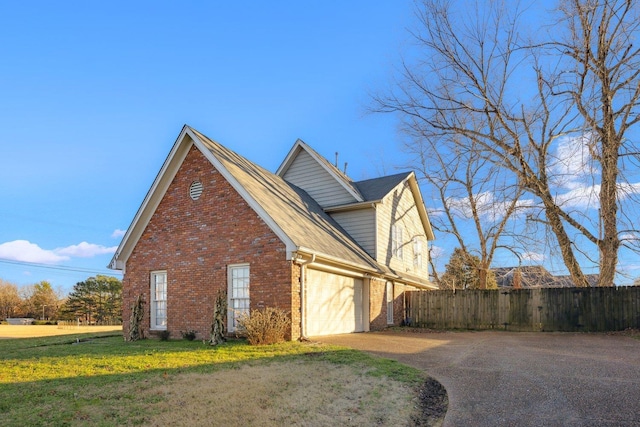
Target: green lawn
100,380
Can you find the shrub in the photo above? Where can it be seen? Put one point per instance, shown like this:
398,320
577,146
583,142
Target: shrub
164,335
44,322
219,319
190,335
137,314
264,326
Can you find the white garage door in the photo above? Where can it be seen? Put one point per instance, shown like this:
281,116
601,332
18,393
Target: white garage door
334,303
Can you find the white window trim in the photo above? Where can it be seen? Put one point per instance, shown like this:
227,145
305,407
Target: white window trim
396,241
230,311
389,298
152,300
418,251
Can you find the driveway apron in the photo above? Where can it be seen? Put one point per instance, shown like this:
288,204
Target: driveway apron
521,379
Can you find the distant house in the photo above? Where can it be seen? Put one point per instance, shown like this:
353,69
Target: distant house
334,253
535,276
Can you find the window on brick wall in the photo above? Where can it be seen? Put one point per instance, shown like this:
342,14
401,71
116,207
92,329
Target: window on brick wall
238,293
389,303
396,241
158,309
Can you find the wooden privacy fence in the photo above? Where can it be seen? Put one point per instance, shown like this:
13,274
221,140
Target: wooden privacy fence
540,309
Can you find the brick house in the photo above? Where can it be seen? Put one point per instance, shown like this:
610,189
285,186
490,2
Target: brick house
334,253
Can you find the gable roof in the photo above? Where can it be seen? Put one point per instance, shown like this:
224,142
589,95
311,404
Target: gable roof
336,173
536,276
290,212
366,191
375,189
290,208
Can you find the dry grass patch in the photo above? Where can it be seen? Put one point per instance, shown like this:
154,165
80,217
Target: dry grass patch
31,331
99,380
309,393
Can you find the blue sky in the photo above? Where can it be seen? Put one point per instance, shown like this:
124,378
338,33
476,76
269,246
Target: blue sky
94,95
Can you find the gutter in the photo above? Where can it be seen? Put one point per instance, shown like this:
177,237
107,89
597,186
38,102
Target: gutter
353,206
299,259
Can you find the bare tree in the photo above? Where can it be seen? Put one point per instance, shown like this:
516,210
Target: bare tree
478,81
468,188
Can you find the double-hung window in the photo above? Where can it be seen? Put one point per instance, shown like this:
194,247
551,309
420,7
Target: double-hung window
238,291
396,241
158,306
389,292
417,253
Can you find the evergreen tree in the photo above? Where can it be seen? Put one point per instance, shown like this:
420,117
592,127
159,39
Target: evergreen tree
463,272
95,300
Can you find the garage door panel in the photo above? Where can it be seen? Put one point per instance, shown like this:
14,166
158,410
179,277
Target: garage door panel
334,303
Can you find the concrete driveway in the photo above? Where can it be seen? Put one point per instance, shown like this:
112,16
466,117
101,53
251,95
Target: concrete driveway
521,379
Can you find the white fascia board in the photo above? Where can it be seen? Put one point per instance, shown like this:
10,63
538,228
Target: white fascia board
422,210
288,160
314,155
301,145
353,206
289,244
404,281
338,261
151,201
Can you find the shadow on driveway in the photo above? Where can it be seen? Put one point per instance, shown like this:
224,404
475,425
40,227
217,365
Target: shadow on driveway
521,379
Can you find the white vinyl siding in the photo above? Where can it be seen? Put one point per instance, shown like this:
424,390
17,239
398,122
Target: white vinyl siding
158,308
307,174
398,208
361,225
238,278
333,303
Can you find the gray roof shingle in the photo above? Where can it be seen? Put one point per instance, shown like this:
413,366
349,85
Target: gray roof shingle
297,214
376,188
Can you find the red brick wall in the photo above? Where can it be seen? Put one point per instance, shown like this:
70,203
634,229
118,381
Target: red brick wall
399,303
195,241
378,304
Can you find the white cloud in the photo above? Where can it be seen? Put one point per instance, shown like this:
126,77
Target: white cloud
573,160
437,252
488,207
532,256
85,250
588,196
626,189
580,197
25,251
118,233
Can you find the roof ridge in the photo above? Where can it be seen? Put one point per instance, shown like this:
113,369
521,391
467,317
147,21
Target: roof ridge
407,173
291,208
343,178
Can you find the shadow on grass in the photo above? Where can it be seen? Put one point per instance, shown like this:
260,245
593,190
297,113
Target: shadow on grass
102,372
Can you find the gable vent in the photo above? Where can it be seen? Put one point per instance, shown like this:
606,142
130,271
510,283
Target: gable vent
195,190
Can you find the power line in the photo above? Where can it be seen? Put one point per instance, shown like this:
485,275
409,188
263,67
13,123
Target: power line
59,267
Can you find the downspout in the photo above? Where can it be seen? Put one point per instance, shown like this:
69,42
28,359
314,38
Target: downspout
302,263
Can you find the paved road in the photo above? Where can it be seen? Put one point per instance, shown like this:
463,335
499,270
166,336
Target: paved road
521,379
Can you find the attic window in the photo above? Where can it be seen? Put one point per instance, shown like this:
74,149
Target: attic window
195,190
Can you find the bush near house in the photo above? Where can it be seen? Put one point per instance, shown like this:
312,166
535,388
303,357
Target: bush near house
264,326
